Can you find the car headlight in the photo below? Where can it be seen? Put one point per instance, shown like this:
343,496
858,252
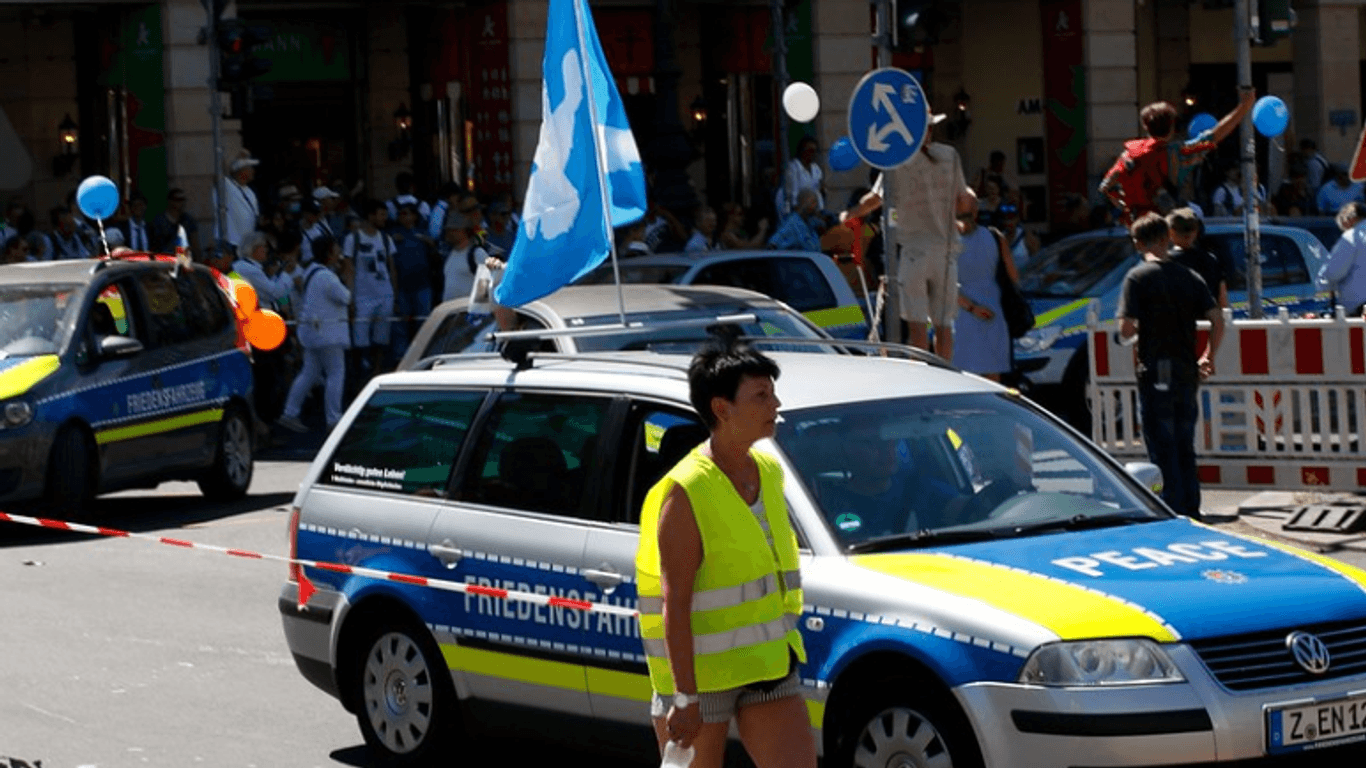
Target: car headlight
1100,662
1039,339
18,413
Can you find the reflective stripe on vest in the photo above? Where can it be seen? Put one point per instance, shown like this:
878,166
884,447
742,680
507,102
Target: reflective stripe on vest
747,595
731,639
726,597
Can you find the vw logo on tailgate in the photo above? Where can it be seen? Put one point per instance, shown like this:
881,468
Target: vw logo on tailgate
1310,652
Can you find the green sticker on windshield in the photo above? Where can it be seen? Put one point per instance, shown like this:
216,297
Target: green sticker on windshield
848,522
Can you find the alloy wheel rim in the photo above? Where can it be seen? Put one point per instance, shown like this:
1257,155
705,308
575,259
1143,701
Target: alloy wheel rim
237,451
398,693
900,737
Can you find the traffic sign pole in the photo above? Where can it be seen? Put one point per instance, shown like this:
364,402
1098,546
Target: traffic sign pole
891,252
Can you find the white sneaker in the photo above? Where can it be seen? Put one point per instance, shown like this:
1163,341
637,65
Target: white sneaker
292,423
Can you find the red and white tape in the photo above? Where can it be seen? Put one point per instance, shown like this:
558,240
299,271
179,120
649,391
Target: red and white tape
306,588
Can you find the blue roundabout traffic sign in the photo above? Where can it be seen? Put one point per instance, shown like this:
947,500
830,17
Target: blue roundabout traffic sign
889,117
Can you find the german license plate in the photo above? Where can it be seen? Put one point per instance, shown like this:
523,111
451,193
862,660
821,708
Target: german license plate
1322,724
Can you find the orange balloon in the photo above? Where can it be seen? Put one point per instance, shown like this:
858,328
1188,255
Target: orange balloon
246,297
266,330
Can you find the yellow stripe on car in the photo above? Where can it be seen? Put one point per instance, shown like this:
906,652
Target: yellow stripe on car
20,378
508,666
623,685
850,314
1053,314
157,427
1069,611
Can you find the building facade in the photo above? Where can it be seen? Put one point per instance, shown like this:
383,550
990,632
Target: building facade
359,91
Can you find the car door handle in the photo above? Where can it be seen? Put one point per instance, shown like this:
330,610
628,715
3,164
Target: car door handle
603,578
446,552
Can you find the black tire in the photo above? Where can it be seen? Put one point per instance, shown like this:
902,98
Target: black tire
230,475
405,703
71,473
911,720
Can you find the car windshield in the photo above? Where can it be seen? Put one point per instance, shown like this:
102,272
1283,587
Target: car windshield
1076,268
909,472
34,318
685,330
635,274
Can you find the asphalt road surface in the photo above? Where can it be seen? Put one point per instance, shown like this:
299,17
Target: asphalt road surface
118,652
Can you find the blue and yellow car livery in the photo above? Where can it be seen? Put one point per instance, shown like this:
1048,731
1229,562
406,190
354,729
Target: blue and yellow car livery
118,374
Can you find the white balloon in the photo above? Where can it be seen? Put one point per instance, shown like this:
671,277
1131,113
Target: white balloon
801,102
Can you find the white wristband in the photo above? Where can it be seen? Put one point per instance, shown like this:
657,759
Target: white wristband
685,700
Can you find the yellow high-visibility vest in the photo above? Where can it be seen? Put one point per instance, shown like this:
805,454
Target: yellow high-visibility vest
747,596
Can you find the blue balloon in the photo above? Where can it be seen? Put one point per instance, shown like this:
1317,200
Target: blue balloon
842,155
98,197
1270,116
1201,123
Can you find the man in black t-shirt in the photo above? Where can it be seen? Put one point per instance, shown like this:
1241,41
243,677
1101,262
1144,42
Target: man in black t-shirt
1185,230
1160,303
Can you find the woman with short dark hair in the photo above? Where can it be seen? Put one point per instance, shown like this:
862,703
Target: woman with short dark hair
718,578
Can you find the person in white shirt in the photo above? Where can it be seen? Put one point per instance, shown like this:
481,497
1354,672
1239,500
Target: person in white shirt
461,256
272,286
243,210
323,334
803,172
1345,271
372,255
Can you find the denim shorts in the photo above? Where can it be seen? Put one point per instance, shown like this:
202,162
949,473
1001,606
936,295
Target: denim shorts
721,706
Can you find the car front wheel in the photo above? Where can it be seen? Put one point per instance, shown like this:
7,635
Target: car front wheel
407,705
911,727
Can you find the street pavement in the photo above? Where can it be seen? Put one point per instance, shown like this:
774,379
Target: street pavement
1265,513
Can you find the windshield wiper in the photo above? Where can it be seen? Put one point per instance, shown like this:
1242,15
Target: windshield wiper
1081,523
922,538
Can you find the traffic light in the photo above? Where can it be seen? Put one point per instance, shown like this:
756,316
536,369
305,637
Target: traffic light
237,62
1274,20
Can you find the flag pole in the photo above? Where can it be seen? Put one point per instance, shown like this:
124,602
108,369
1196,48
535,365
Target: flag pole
599,159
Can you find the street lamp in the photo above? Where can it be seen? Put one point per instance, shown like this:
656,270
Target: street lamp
403,121
68,134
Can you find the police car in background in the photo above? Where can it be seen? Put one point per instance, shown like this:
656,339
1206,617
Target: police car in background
1063,279
120,373
982,585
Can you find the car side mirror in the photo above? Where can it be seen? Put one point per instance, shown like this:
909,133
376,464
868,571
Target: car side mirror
1146,473
119,346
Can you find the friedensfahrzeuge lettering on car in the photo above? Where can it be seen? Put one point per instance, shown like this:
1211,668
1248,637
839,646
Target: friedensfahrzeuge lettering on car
983,587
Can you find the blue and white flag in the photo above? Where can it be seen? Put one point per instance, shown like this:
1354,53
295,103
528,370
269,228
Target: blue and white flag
568,216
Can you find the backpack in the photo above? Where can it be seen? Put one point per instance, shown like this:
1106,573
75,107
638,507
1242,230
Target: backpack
1141,171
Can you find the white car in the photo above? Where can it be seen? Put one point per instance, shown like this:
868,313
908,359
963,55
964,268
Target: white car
983,586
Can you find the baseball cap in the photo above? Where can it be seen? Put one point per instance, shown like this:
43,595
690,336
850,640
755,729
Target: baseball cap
324,193
243,160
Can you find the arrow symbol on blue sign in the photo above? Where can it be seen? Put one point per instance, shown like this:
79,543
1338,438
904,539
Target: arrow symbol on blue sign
877,137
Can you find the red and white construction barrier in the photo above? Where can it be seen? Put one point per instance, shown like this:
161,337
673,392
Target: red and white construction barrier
1285,408
306,588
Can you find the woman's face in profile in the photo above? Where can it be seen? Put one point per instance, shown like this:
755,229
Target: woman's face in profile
754,412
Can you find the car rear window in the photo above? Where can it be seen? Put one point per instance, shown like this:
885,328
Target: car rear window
797,282
404,441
